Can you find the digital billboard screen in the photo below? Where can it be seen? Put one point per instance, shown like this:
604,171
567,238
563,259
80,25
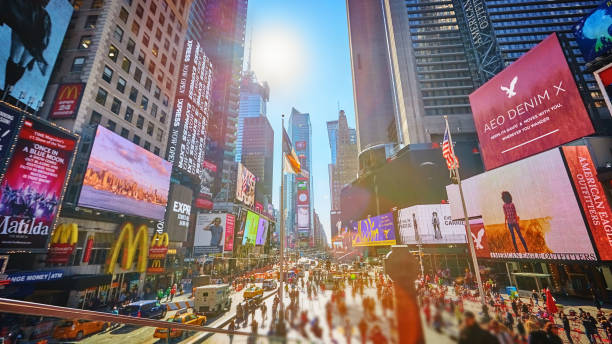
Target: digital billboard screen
374,231
210,233
178,214
519,113
230,224
528,209
125,178
303,217
187,138
67,101
430,224
250,228
207,178
603,76
31,190
245,186
262,231
593,32
10,119
32,35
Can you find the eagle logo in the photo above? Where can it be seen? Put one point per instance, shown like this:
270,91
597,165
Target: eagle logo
510,90
478,239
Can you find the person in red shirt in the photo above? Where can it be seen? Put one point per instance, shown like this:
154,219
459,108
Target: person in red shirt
512,220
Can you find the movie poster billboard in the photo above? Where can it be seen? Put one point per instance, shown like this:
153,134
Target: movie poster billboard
67,100
528,209
245,186
31,36
210,232
250,228
262,231
207,178
230,224
593,32
430,224
178,213
125,178
32,187
374,231
10,120
303,217
592,197
519,113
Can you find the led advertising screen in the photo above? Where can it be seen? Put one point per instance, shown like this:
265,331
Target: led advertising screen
230,224
10,119
519,113
593,32
603,76
303,217
592,197
245,186
250,228
32,34
207,178
125,178
187,138
262,231
210,232
32,187
430,224
300,145
528,209
374,231
67,101
178,213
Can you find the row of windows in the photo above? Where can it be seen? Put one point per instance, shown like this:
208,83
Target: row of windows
446,75
447,111
551,6
441,67
96,118
446,101
446,92
527,30
577,14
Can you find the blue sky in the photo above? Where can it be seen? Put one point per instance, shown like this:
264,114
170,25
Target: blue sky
301,49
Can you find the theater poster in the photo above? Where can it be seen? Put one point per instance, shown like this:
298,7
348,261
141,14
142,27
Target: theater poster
31,191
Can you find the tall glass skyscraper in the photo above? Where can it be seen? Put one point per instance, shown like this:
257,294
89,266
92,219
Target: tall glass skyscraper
254,97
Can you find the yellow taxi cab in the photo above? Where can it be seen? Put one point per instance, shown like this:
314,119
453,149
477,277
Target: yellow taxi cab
77,329
182,318
252,291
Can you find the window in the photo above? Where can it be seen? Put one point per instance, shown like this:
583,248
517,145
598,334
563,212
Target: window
131,46
156,151
139,11
107,75
169,29
145,40
133,94
155,50
151,67
121,84
147,145
168,84
140,122
163,116
111,125
144,103
157,92
162,19
113,53
150,129
125,133
135,28
172,16
164,59
176,39
160,77
165,100
171,69
153,8
85,42
174,54
123,15
116,106
149,23
154,110
158,34
97,4
129,114
77,64
90,22
137,74
142,57
166,44
136,139
95,118
148,83
101,96
126,64
160,134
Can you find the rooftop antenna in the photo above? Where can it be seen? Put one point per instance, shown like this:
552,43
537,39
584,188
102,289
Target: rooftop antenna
250,50
338,106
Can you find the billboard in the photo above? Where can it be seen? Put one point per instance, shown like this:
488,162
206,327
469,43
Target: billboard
187,138
230,224
300,145
262,231
374,231
519,113
593,32
528,209
245,186
31,190
67,100
207,178
10,120
604,80
210,232
125,178
592,197
302,197
250,228
178,213
429,224
32,34
303,217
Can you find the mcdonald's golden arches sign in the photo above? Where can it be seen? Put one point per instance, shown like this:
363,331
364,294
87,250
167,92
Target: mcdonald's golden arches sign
131,245
67,99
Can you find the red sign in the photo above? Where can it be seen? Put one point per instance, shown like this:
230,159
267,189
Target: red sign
302,197
203,203
259,207
209,166
67,99
88,247
158,252
531,106
479,236
230,221
300,145
592,197
59,253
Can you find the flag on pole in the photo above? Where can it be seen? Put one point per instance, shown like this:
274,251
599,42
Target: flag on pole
448,152
291,164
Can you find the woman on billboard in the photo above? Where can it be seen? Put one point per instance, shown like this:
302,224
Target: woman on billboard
512,219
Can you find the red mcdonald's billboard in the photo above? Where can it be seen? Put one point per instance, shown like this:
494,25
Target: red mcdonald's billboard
67,99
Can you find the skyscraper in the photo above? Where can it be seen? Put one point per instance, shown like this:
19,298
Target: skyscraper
254,97
258,155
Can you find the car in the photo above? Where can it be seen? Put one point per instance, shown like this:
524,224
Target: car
182,318
77,329
145,309
252,291
269,284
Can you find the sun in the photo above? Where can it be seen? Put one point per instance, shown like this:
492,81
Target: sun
277,56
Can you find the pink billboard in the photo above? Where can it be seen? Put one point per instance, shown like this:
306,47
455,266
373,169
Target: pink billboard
531,106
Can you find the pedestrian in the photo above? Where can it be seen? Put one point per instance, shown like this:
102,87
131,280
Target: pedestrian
567,328
500,332
348,331
535,297
172,292
534,334
590,327
363,330
472,333
232,327
551,334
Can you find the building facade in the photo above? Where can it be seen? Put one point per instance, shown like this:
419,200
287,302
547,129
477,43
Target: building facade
258,155
254,97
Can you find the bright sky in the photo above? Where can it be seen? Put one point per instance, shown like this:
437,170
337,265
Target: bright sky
301,49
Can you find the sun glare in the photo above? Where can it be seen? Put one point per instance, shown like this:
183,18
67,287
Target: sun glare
277,57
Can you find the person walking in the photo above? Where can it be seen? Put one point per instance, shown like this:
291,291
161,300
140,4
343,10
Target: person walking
535,297
172,292
472,333
551,334
363,330
567,328
534,334
590,327
348,331
232,327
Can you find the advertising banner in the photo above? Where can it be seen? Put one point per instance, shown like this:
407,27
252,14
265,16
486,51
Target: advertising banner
88,248
178,213
31,38
528,209
158,249
241,224
262,231
430,224
479,237
592,197
125,178
230,224
207,178
300,145
245,186
210,233
374,231
519,113
10,120
67,100
603,76
303,217
250,228
32,187
63,242
302,197
593,32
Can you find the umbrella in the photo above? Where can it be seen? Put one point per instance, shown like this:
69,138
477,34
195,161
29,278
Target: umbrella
551,306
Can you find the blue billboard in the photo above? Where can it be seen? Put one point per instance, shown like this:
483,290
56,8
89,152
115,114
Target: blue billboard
594,32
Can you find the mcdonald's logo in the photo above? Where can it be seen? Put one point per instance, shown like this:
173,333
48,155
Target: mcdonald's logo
130,245
67,100
156,263
65,233
159,246
69,92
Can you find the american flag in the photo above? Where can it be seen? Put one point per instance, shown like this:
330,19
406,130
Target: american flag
448,152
